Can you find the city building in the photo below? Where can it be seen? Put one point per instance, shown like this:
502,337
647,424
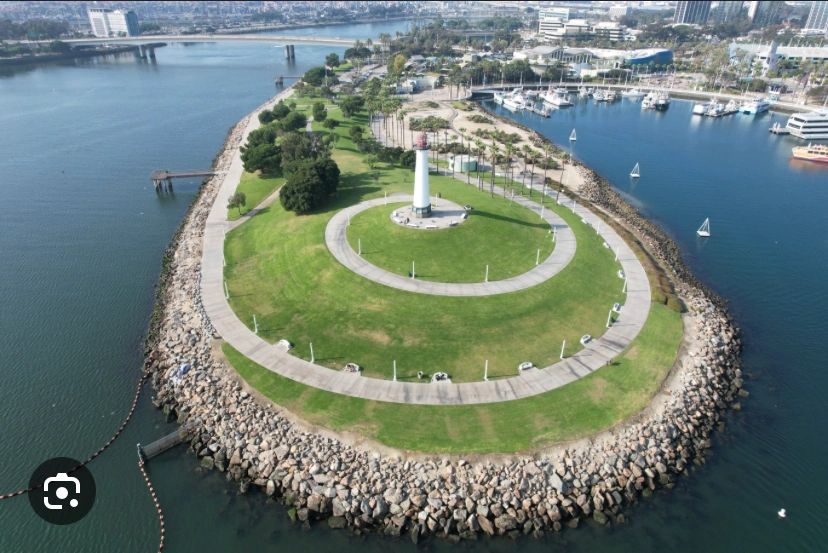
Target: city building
619,11
727,12
692,12
817,22
592,61
763,13
767,56
559,12
112,23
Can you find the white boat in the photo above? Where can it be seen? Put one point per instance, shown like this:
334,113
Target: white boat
715,109
600,96
583,92
731,107
498,98
636,172
513,104
704,229
557,100
562,91
662,101
755,106
699,109
610,96
809,126
572,136
649,101
632,93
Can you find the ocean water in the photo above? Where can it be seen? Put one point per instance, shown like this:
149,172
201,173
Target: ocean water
82,233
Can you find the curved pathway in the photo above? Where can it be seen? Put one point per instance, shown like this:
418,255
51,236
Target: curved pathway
337,242
535,381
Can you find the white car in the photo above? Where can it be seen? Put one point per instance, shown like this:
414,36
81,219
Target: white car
440,377
585,339
616,307
621,274
352,368
526,365
284,345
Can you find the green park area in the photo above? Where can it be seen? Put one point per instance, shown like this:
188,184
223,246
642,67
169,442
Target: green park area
503,235
280,270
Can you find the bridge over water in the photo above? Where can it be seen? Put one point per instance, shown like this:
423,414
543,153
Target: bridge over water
250,37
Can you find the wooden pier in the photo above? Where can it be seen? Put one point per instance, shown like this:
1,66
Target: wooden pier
162,179
159,446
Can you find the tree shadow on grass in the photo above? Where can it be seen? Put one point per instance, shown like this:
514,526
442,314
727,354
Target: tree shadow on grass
497,217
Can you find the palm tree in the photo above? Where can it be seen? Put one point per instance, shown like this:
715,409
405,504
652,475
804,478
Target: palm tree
494,152
534,157
510,149
546,149
480,150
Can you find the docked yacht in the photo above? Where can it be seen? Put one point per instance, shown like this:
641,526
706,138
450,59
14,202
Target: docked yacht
583,92
600,96
811,152
632,93
610,96
809,125
662,101
562,90
699,109
755,106
498,98
514,102
555,98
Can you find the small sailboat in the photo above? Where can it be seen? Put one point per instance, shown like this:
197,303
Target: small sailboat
573,137
704,229
636,172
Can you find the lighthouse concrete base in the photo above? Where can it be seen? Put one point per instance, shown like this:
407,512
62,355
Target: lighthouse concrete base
441,214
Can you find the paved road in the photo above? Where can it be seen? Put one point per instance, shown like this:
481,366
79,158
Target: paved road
535,381
337,242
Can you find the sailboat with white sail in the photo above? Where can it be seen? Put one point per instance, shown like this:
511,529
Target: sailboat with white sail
704,229
636,172
572,136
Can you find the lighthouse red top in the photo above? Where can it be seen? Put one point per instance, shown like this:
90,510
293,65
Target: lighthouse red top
421,143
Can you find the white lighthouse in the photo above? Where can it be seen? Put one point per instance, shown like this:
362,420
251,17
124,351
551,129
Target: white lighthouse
421,206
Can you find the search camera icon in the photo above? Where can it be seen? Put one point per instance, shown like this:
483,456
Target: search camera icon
62,491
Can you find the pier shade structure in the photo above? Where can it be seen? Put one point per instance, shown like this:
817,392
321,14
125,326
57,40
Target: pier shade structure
421,205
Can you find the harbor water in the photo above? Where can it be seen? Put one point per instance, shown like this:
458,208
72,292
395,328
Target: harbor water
82,234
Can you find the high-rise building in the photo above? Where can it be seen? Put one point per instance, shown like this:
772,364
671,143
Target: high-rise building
111,23
692,12
817,18
763,13
727,12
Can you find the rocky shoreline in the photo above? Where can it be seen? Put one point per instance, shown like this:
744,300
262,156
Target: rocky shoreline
320,477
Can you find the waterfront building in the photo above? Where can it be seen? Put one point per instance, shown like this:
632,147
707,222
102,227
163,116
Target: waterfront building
817,22
112,23
693,12
592,60
763,13
555,28
767,56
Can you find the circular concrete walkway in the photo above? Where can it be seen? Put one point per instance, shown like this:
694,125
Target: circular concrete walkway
534,381
337,242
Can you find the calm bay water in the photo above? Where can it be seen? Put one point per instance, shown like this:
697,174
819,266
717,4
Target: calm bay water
82,234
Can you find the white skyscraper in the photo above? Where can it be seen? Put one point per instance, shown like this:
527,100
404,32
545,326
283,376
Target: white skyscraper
817,18
421,206
112,23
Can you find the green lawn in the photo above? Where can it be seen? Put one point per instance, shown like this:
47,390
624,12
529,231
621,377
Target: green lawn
279,269
500,234
256,188
596,402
